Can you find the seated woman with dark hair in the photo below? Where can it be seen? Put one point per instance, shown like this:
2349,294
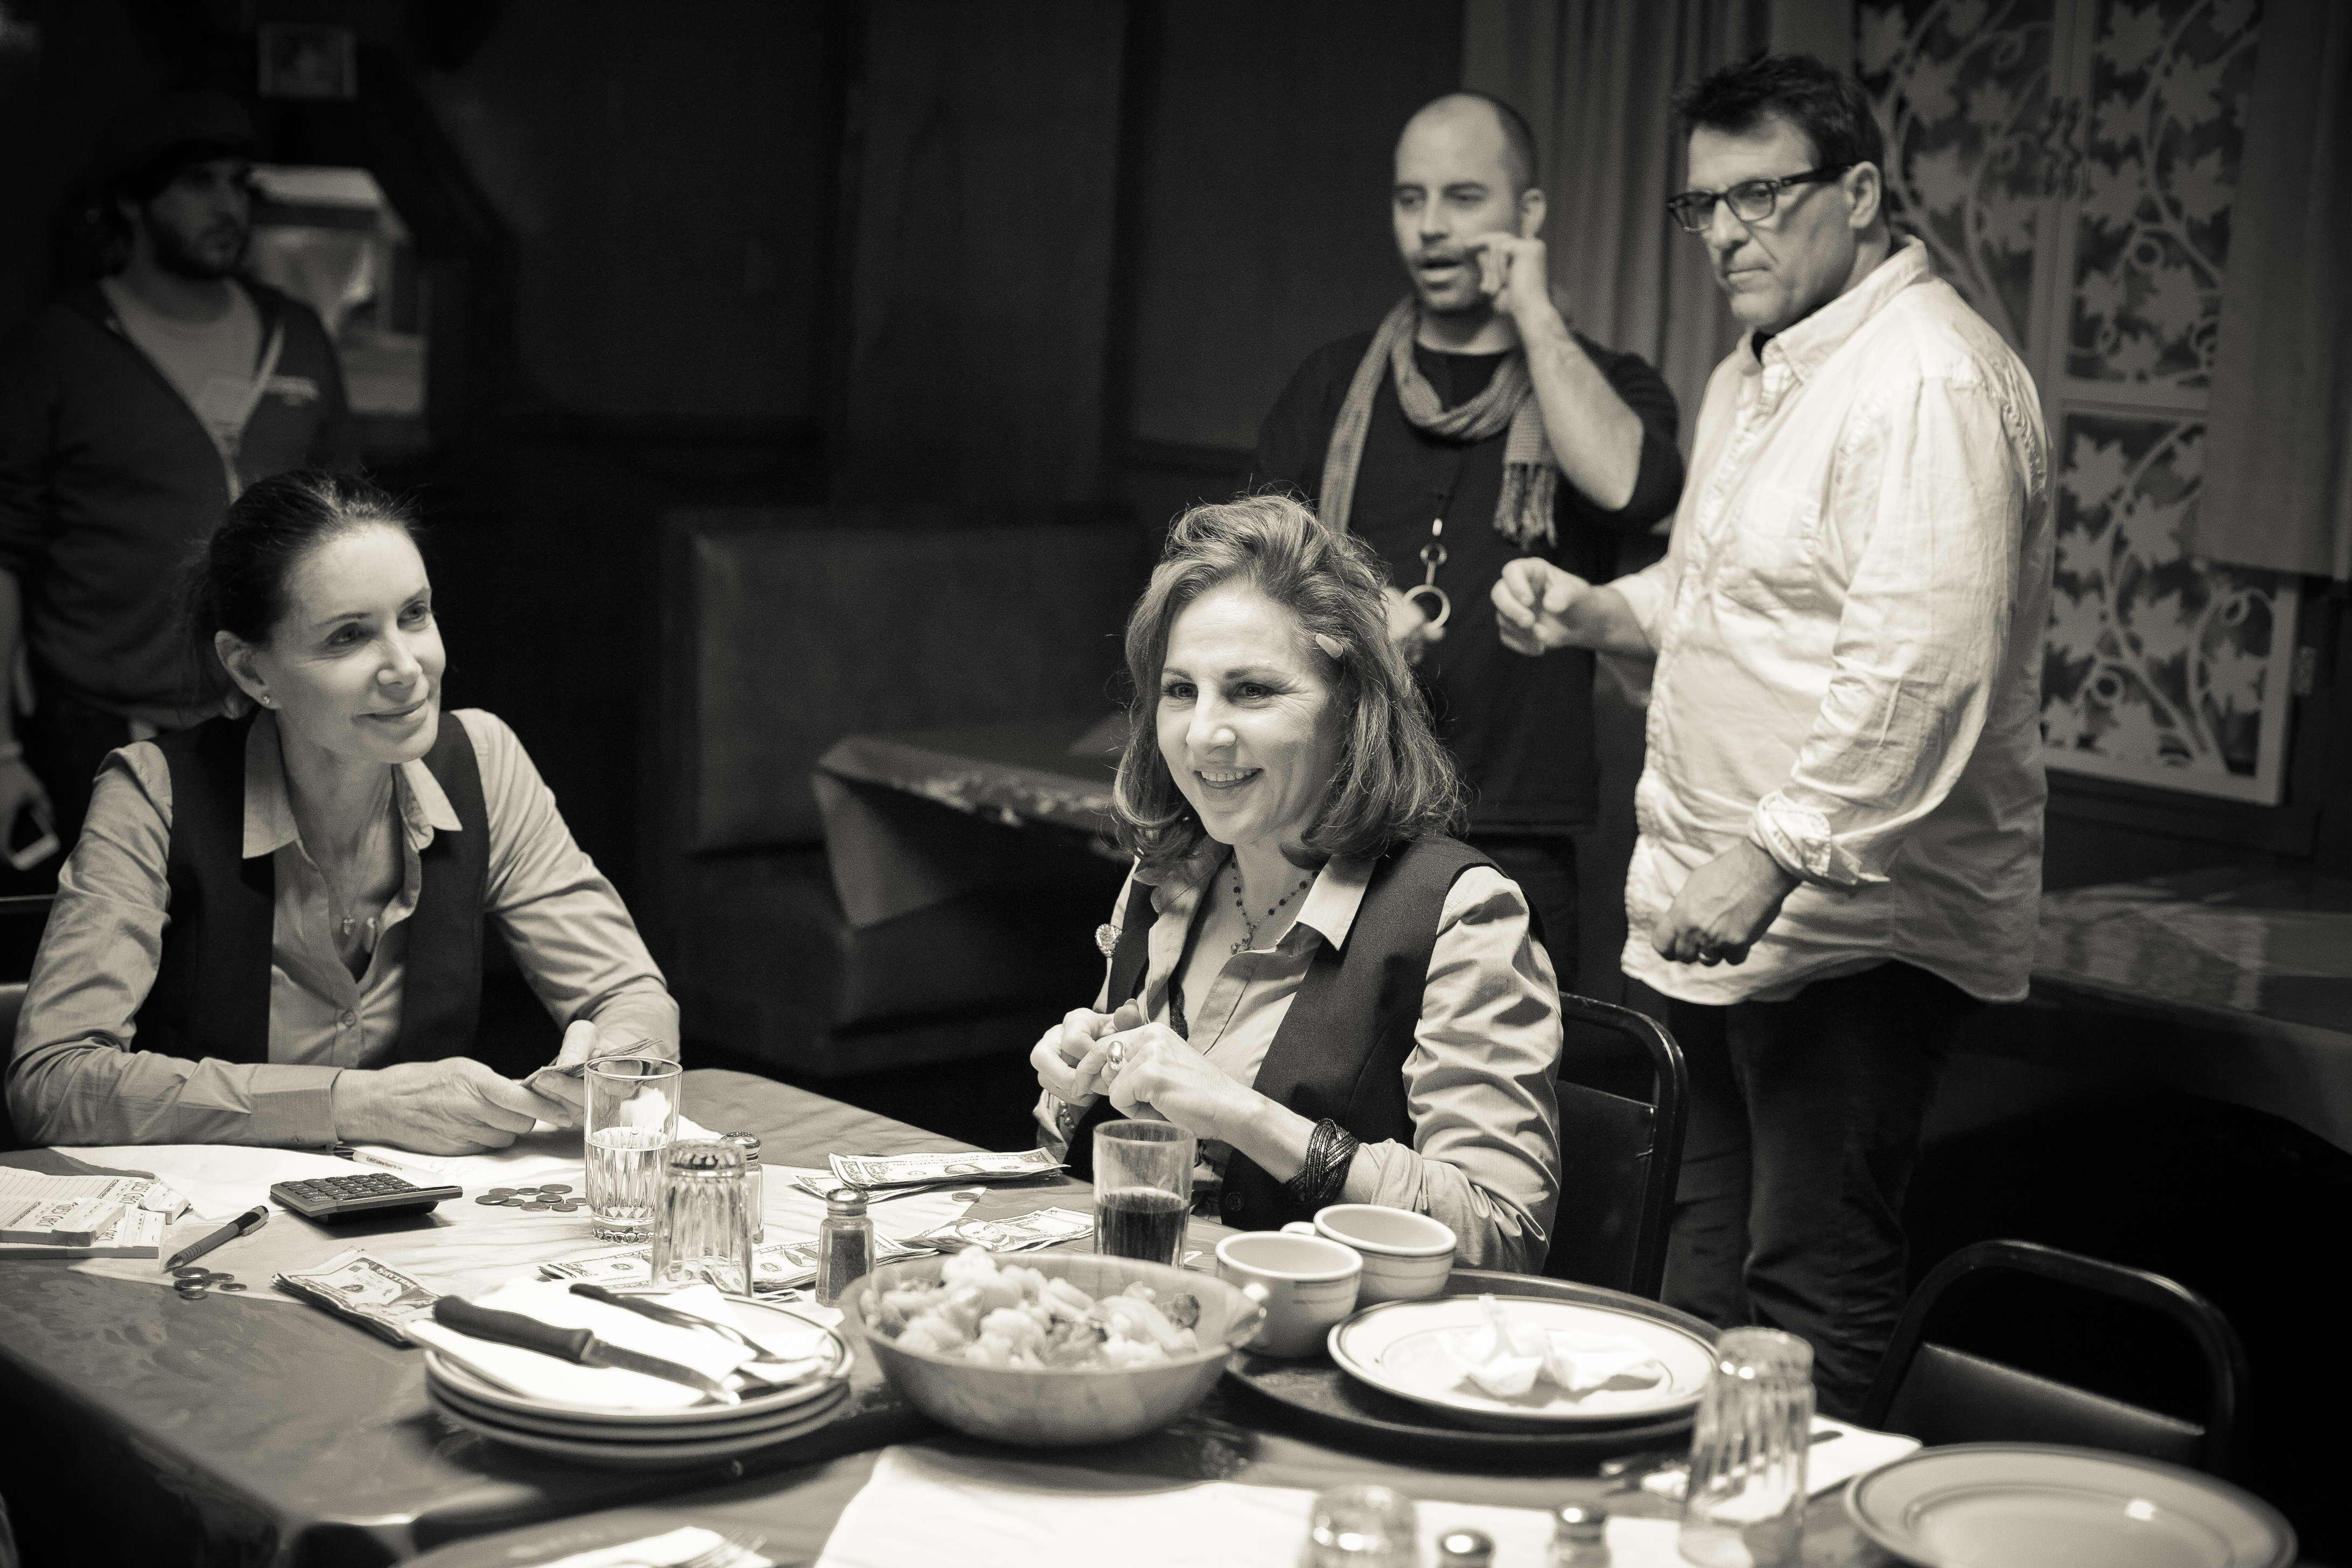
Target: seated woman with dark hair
1288,806
272,929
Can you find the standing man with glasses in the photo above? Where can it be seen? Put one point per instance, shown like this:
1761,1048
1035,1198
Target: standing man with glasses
1475,427
1841,815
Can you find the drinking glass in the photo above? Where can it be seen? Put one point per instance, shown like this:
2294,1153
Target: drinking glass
1143,1189
632,1120
1362,1527
1746,1505
706,1230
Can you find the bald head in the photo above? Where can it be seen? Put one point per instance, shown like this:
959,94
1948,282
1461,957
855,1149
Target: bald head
1479,123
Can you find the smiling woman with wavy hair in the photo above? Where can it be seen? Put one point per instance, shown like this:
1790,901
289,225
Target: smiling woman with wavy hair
1288,809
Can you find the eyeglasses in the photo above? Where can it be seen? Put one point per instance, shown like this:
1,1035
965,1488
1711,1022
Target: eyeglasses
1752,201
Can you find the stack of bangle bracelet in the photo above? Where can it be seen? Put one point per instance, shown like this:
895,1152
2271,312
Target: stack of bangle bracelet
1329,1150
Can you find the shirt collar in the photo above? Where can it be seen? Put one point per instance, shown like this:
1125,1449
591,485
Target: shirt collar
1331,903
1794,355
423,805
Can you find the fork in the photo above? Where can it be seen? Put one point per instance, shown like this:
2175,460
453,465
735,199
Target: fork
679,1318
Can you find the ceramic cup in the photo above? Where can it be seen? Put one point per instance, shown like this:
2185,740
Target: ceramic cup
1310,1284
1406,1255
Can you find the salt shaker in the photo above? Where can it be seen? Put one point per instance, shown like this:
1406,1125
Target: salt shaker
1579,1537
1465,1549
1746,1504
705,1233
1361,1527
844,1245
754,1181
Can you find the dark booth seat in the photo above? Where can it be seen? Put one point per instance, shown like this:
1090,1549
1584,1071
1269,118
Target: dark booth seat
784,631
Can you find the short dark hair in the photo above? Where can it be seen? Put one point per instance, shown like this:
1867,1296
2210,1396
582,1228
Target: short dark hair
235,581
1393,783
1828,105
1518,139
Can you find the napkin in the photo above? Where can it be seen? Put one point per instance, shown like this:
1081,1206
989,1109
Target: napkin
1505,1357
1580,1362
688,1544
924,1506
550,1378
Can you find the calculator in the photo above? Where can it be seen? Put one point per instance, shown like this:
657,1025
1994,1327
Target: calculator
379,1192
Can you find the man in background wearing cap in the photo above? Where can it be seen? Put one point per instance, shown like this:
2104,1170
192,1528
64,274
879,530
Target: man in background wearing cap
132,410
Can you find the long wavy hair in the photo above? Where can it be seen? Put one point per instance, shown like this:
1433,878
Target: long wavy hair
1393,782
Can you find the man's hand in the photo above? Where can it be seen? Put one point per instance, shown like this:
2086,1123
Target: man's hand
1532,601
1516,274
455,1106
1409,625
1723,907
1068,1062
19,788
584,1043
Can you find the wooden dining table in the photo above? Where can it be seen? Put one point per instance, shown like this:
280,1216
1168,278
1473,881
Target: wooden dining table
254,1432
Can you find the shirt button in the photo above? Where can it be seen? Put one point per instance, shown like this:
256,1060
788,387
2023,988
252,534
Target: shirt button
350,1020
1233,1201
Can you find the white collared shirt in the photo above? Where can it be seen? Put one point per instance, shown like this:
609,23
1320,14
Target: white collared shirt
1849,624
1479,1081
79,1078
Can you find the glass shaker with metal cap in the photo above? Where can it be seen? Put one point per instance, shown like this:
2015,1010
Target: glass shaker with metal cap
1465,1549
1362,1527
1579,1537
705,1233
844,1245
754,1180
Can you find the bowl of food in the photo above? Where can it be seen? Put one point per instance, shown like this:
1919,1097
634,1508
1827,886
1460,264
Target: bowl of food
1047,1349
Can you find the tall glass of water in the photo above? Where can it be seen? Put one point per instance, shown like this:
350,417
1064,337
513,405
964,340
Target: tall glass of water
1143,1189
632,1119
1746,1505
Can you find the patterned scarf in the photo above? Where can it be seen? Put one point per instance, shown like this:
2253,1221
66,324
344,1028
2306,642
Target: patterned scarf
1523,511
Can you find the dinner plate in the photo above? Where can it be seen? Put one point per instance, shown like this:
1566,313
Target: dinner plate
2034,1505
1399,1347
750,1316
645,1456
603,1431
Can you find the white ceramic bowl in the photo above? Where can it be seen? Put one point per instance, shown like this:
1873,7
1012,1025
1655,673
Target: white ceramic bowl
1407,1255
1045,1408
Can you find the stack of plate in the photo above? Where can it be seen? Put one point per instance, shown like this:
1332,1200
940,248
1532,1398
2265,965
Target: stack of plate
649,1439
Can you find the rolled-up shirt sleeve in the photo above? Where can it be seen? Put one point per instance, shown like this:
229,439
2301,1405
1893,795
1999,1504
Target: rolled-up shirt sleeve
78,1077
1919,640
560,916
1480,1084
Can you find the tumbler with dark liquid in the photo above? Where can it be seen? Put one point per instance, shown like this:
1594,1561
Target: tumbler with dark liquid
1143,1190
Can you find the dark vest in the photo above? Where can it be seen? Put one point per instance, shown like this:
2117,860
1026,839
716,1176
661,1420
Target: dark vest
1342,1050
211,995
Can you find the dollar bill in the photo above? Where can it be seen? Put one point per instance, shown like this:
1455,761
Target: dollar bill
367,1291
910,1170
1017,1233
820,1187
775,1264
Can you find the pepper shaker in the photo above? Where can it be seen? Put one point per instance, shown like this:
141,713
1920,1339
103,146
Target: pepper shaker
844,1245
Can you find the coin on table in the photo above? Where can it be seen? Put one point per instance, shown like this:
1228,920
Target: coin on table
534,1206
232,1285
220,1279
499,1193
194,1292
492,1199
565,1207
194,1271
553,1189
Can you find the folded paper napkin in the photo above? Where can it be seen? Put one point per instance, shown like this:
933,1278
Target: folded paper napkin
1503,1357
925,1507
689,1543
538,1376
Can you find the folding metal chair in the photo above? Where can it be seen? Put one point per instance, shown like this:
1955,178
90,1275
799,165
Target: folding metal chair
1619,1161
1939,1395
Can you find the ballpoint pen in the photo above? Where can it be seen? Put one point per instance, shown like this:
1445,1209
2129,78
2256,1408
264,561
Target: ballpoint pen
245,1224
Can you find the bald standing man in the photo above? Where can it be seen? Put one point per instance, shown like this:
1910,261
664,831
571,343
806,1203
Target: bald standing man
1477,427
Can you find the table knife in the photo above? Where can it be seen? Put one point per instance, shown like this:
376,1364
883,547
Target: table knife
679,1318
579,1346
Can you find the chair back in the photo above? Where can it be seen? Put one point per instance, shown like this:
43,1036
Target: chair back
1940,1395
1619,1161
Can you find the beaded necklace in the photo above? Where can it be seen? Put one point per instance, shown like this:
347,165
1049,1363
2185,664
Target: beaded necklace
1249,926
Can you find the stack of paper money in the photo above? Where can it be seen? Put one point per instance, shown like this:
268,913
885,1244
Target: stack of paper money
365,1291
899,1172
775,1266
1019,1233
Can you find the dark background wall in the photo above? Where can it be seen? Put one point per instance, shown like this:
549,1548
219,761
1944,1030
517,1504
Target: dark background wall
1035,260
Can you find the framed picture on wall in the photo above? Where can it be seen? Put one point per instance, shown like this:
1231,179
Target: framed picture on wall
306,60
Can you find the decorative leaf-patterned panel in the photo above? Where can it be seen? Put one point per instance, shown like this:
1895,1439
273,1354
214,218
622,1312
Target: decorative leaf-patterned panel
2155,662
1962,88
2168,81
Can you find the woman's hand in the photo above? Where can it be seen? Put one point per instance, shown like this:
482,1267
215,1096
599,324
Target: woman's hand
1067,1058
1161,1077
